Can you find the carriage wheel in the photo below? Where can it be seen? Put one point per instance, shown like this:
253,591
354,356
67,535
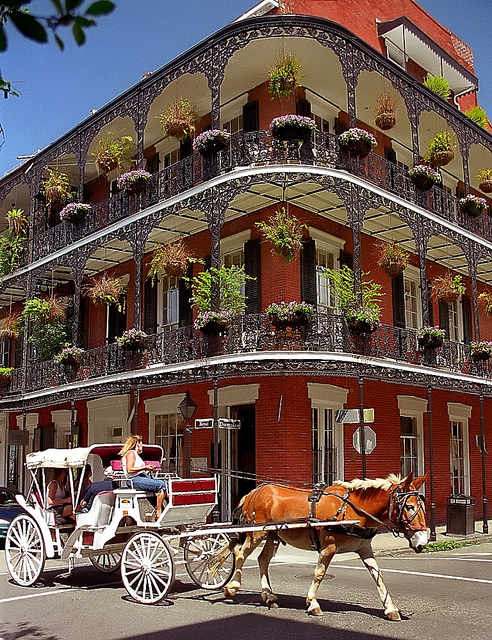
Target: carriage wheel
107,563
147,567
209,560
24,550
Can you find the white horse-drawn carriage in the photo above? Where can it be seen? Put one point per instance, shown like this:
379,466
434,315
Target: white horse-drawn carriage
119,529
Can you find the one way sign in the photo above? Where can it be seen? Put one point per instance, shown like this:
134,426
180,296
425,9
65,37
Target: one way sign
351,416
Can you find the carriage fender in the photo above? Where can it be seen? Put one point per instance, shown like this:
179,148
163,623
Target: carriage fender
45,531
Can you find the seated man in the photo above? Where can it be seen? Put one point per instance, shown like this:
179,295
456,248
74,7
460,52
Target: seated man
91,491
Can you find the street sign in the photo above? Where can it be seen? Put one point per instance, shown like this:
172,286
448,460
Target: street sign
18,436
351,416
225,423
204,423
370,438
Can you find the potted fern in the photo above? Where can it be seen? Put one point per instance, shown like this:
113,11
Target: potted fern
448,288
113,152
171,259
5,375
441,149
385,112
478,115
284,231
284,76
485,299
106,290
392,258
56,188
438,85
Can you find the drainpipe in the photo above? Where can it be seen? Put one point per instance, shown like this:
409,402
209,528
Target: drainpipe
431,460
361,427
485,523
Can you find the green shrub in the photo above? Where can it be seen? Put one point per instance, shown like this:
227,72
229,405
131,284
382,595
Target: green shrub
478,115
438,85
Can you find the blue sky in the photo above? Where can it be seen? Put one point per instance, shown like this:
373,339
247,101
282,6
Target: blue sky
58,89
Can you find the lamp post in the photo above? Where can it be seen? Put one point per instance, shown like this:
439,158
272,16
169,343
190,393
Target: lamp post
187,409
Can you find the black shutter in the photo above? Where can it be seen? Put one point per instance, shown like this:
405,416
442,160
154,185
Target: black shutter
398,301
208,262
308,272
390,155
303,107
251,116
153,163
18,352
150,306
444,317
340,126
185,148
252,267
116,323
346,259
184,295
467,319
430,305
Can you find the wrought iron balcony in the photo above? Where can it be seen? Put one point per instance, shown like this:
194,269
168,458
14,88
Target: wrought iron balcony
327,334
250,149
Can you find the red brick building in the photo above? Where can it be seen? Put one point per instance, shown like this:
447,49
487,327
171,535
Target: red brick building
286,384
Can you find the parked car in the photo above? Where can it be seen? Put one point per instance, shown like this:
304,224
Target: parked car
9,508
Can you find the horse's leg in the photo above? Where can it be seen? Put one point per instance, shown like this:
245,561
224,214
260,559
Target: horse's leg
242,552
367,556
324,558
269,550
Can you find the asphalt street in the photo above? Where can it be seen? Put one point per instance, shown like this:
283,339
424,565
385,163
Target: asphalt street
441,596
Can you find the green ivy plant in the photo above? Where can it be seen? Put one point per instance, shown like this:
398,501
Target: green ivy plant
13,241
284,76
47,330
229,282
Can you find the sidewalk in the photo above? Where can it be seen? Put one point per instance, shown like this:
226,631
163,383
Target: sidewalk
385,543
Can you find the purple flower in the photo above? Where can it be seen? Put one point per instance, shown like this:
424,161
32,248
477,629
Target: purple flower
127,180
206,138
357,135
293,120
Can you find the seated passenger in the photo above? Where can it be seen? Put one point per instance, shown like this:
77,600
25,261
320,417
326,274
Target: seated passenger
134,469
91,492
58,500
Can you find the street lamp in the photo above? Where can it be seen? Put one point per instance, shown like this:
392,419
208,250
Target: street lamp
187,409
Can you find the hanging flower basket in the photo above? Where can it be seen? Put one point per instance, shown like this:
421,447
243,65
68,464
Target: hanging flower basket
75,212
106,291
211,142
385,121
424,177
284,231
134,181
448,288
481,350
385,112
357,142
392,258
284,76
5,375
113,152
441,158
484,178
441,149
486,186
473,205
56,188
430,337
289,314
364,321
486,300
133,340
213,323
179,119
292,128
171,259
70,356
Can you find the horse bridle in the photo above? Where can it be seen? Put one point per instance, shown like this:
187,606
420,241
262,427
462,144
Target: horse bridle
396,512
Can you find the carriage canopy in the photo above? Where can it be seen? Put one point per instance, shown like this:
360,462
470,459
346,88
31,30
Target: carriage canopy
70,458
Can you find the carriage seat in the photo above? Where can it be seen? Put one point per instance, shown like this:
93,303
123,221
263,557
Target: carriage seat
100,512
116,470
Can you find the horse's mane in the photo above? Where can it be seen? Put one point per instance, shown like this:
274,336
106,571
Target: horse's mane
378,483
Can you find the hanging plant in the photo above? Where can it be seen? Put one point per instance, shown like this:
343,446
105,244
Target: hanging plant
481,350
430,337
441,149
179,120
17,221
11,327
134,181
5,375
171,259
284,231
113,152
56,188
106,291
485,299
75,212
292,128
212,141
448,288
484,178
392,258
284,76
385,112
424,177
357,142
13,241
473,205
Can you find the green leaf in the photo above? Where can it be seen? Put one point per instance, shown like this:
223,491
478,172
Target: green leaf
84,22
78,34
100,8
72,4
59,42
3,39
29,26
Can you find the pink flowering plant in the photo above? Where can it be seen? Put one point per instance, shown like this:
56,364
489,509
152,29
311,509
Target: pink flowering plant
75,211
425,171
481,350
430,332
473,205
355,134
289,311
292,127
207,317
68,355
133,180
132,338
211,141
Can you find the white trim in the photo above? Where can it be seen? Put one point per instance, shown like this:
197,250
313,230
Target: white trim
32,421
459,411
414,407
234,243
326,238
259,10
235,394
412,404
106,413
163,404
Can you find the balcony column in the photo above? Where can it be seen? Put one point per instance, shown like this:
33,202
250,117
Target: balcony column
464,150
140,128
350,70
215,75
214,208
138,247
78,276
356,221
421,242
472,257
414,110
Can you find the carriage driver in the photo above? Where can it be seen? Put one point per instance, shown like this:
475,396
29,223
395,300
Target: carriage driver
134,469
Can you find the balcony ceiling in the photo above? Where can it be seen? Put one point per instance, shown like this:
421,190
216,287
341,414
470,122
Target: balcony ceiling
417,46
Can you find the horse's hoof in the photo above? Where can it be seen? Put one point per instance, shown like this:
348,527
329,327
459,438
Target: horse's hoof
270,599
315,611
393,615
230,592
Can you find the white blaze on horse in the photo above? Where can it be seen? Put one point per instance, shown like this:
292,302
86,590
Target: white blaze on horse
371,502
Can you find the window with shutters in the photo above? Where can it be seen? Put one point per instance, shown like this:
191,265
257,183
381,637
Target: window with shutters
408,441
234,125
327,256
413,300
459,454
168,433
167,302
5,344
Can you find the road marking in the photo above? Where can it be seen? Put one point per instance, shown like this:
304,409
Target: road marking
419,573
38,595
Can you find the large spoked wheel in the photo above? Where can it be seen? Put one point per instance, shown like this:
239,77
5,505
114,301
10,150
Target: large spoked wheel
209,560
24,550
147,567
107,563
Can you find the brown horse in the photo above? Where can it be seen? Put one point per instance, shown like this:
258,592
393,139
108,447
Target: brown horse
370,502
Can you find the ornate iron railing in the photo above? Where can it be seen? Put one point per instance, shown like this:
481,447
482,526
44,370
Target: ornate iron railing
258,148
249,334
